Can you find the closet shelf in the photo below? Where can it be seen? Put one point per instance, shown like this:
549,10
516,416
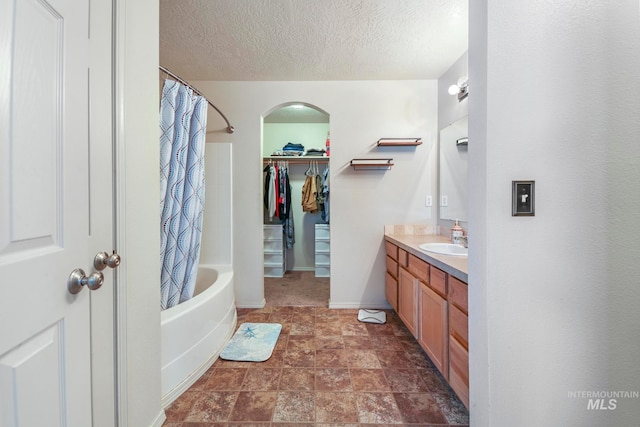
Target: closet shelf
295,159
371,163
399,142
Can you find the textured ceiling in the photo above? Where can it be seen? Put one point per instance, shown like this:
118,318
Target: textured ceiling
312,39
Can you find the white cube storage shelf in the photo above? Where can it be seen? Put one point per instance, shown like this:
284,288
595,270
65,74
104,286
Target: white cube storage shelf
274,254
322,251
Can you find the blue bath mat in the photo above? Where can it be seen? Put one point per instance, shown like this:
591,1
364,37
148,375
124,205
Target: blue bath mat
252,342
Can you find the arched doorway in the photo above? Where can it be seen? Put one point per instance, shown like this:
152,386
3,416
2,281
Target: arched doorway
296,205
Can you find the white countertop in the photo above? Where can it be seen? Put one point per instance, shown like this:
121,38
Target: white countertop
457,266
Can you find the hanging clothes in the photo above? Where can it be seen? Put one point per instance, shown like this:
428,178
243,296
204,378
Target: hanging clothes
325,195
310,191
276,192
286,215
277,198
267,182
319,193
284,198
270,198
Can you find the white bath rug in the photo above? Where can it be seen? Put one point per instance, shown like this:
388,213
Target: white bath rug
252,342
372,316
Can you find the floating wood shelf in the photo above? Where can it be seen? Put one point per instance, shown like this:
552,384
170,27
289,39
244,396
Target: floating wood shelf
399,142
371,163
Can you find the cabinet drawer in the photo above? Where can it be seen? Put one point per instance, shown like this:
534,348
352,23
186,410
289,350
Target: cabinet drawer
273,271
392,266
271,245
322,245
274,258
323,258
323,270
402,258
459,325
391,291
458,294
438,281
322,231
459,370
392,250
418,268
273,232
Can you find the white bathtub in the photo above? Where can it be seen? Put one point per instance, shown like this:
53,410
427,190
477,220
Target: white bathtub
195,332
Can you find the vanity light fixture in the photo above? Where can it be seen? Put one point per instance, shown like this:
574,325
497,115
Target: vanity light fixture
461,88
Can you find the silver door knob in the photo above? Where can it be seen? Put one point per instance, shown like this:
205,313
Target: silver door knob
77,279
104,260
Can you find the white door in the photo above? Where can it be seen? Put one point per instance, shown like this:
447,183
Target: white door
45,221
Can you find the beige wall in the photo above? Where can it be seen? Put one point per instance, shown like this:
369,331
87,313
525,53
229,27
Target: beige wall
361,202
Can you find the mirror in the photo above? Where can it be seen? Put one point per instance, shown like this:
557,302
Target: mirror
453,170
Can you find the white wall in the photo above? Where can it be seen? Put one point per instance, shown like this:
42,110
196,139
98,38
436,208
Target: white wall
554,298
217,233
311,135
362,202
277,135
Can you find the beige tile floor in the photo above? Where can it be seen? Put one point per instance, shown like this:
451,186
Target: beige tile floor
328,369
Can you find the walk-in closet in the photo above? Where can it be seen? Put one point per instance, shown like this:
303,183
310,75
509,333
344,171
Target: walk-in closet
297,206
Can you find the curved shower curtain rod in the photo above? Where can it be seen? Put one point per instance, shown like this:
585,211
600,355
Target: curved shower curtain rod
230,129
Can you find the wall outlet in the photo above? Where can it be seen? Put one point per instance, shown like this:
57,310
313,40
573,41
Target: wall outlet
444,201
428,201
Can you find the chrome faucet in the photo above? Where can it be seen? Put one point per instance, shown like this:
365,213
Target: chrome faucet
464,241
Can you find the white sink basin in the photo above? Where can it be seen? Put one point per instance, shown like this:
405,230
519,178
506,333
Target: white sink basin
445,249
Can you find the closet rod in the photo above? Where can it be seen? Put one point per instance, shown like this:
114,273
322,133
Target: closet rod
230,129
295,159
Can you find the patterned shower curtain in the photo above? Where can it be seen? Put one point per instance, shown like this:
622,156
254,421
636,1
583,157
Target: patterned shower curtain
183,123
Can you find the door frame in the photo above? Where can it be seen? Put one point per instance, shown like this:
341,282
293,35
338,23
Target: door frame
136,98
102,201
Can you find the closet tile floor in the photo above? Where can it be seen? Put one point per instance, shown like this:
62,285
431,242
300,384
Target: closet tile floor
328,369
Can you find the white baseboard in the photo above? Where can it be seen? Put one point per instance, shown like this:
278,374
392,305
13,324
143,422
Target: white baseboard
260,305
160,419
375,305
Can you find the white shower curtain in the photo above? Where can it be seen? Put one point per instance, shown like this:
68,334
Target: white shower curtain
183,122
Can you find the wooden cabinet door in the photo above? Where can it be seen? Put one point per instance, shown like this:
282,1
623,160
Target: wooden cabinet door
459,370
434,329
407,288
391,291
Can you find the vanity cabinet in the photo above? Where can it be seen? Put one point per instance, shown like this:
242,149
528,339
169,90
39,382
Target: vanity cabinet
433,305
391,278
412,277
407,300
459,339
433,312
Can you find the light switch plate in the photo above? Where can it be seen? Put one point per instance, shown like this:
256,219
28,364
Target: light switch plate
523,198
